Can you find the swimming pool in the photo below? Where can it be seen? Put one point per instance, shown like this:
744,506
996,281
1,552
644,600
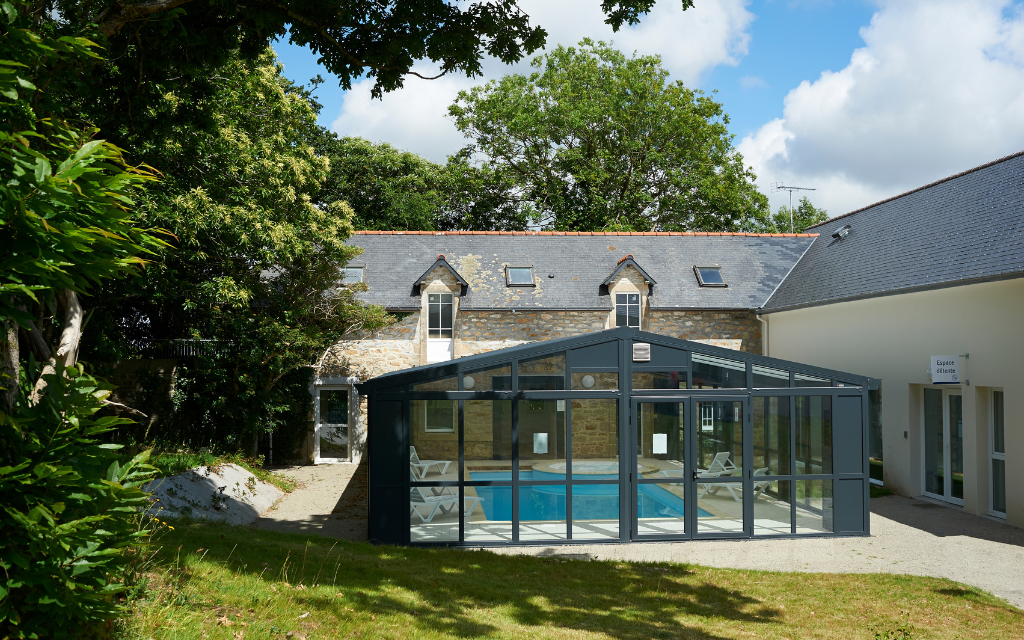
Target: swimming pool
589,502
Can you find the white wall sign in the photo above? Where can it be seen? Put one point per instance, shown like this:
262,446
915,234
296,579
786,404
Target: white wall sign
660,444
945,370
540,443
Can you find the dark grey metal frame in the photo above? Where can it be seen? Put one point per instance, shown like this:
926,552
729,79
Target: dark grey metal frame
389,420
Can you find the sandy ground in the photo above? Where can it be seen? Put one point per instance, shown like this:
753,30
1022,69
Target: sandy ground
908,536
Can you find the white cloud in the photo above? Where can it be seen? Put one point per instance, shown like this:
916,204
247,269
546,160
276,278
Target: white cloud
691,44
938,88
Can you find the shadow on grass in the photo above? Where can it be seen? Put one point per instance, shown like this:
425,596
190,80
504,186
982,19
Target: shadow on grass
456,592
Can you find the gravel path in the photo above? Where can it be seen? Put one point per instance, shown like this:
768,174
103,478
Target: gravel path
909,536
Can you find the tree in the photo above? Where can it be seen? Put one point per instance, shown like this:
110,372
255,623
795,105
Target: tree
803,215
256,262
597,141
388,189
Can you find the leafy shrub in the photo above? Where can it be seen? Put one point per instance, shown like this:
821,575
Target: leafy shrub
68,510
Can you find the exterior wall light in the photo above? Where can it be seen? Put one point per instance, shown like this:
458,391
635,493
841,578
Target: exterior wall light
588,381
468,382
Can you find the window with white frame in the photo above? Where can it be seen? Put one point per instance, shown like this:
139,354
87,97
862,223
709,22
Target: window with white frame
997,456
627,310
440,416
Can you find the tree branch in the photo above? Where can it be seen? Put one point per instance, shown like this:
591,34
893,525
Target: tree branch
11,364
70,337
114,19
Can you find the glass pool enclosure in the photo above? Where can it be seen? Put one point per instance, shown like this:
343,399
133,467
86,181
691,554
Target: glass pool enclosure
615,436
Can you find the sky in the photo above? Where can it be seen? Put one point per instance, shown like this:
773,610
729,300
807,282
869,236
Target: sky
859,100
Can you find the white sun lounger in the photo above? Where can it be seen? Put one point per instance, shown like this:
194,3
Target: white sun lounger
422,466
719,467
426,506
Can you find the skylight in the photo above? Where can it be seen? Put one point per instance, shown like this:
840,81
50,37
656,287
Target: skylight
352,275
519,276
709,276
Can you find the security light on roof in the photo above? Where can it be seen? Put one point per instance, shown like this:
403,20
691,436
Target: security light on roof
841,232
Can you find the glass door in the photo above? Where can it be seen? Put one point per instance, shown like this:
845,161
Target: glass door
659,484
943,445
332,442
720,467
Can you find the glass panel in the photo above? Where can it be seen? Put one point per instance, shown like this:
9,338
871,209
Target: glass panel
771,436
998,439
541,436
659,379
772,507
956,446
659,509
446,320
487,433
719,438
492,519
720,507
434,440
542,373
595,440
441,384
998,485
813,435
520,275
542,513
710,275
627,310
813,506
353,274
934,465
710,372
499,379
434,513
803,380
661,439
332,432
595,511
765,377
875,433
595,381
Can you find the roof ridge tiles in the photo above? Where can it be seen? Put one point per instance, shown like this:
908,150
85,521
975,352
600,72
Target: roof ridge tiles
922,188
749,234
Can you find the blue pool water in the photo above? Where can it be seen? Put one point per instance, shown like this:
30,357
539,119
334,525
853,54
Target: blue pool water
589,502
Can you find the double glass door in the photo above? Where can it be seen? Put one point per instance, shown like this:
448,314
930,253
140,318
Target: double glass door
943,445
690,468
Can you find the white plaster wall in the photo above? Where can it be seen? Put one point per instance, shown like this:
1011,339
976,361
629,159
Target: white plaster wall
893,338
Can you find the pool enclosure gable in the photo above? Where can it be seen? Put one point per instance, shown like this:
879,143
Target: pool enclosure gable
615,436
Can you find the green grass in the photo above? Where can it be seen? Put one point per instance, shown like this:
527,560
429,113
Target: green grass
880,492
171,463
214,581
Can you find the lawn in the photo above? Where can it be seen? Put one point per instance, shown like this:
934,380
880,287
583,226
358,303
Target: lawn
215,581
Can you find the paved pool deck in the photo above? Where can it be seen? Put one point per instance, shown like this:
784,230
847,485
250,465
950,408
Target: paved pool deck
909,536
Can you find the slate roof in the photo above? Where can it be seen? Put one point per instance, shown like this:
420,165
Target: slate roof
959,230
752,264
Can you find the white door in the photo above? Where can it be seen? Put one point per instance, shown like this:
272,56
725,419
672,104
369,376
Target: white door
332,420
943,445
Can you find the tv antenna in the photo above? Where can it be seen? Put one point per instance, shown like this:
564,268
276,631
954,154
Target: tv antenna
778,186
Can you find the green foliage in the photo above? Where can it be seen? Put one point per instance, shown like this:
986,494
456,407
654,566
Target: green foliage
69,510
597,141
64,196
388,189
256,263
804,215
903,630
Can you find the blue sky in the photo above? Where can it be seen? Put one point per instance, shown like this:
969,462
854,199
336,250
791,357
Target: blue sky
860,99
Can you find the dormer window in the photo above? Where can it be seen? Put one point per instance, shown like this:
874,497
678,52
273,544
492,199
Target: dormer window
627,310
709,276
352,275
519,276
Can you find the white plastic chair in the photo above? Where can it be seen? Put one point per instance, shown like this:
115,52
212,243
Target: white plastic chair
425,506
422,466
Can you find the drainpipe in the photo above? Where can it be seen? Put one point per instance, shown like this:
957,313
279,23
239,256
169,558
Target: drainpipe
764,333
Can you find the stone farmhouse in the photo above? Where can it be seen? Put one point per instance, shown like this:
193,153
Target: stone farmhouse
464,293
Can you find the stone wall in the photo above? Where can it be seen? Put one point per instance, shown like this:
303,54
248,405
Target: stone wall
730,329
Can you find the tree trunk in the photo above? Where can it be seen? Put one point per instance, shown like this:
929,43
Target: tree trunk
11,363
70,337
